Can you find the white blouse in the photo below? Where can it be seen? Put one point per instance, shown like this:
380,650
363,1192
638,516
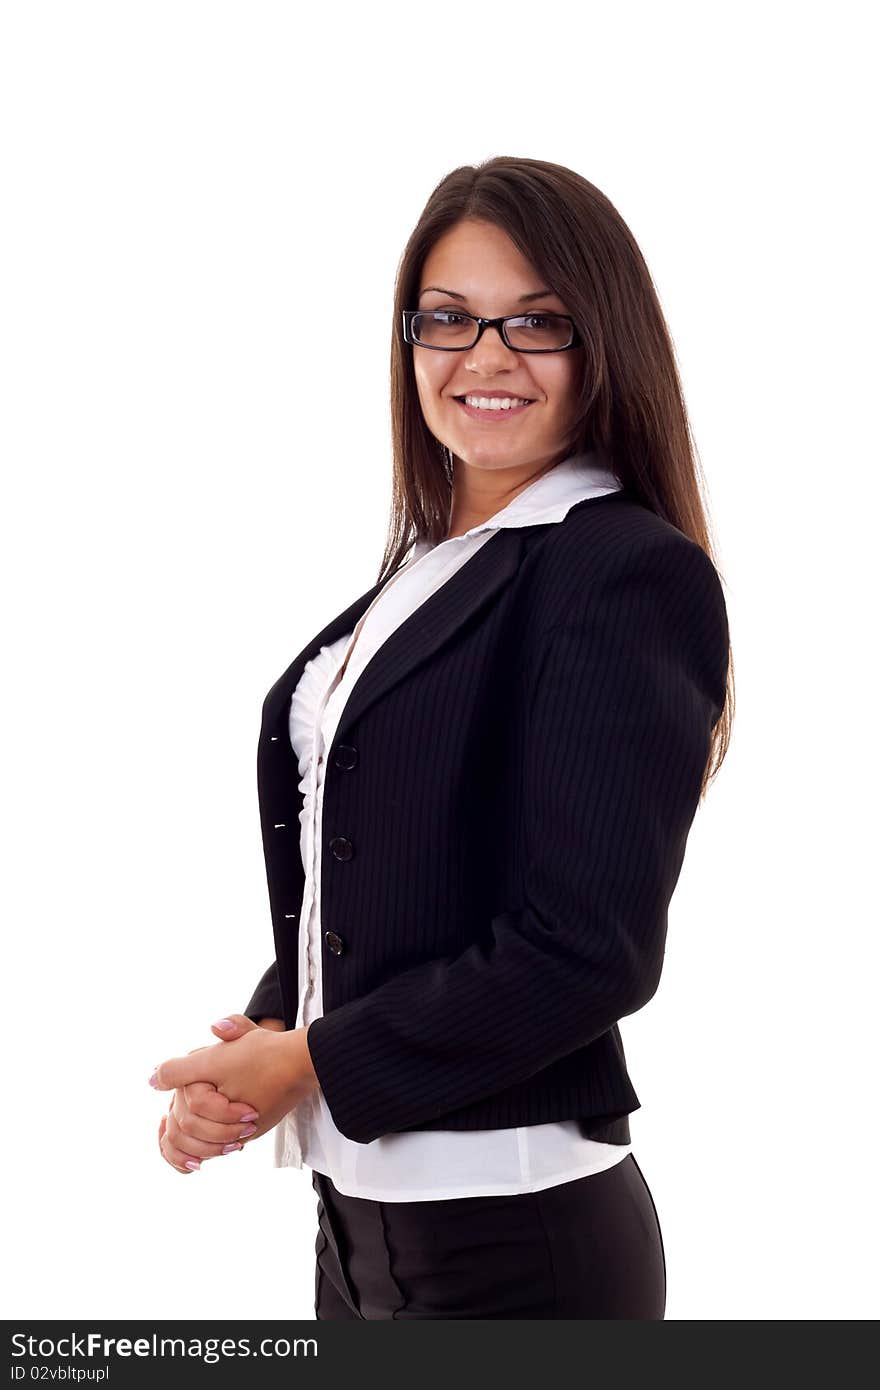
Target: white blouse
420,1165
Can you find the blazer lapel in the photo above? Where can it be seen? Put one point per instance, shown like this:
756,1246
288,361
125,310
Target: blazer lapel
436,620
275,705
432,624
413,641
426,629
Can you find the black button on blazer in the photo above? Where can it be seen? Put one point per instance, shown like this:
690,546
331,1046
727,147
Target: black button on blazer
506,805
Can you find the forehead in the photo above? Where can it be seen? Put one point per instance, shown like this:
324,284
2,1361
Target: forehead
478,257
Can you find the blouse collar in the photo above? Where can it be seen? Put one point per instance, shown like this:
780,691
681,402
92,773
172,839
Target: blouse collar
549,498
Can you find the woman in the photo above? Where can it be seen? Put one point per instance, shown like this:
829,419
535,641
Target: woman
490,762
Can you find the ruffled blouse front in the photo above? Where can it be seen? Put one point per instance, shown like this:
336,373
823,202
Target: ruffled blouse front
305,728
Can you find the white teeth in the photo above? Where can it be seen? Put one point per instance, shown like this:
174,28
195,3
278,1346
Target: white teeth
494,402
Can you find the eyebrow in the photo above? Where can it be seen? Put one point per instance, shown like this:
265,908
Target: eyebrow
523,299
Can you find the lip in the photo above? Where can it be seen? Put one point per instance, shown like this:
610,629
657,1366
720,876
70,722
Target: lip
476,413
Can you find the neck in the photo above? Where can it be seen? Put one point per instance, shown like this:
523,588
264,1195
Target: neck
478,493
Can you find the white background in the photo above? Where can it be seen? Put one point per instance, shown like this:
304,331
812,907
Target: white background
196,456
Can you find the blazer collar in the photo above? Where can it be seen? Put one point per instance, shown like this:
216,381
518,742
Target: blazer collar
550,498
414,640
436,620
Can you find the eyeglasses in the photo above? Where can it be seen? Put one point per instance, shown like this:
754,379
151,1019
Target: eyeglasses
448,330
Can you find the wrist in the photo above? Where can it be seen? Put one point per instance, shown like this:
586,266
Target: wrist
299,1058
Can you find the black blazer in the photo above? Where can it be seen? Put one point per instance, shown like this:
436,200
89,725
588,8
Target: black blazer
506,804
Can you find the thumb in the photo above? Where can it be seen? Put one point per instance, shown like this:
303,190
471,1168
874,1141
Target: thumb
179,1072
232,1027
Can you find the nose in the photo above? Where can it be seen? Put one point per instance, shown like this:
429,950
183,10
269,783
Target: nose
491,350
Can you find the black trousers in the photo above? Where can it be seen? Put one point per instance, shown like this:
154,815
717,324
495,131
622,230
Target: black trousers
590,1248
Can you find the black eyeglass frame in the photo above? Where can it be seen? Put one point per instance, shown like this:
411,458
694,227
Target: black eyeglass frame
483,324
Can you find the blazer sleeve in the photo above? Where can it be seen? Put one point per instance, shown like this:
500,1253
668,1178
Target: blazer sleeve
265,1002
626,690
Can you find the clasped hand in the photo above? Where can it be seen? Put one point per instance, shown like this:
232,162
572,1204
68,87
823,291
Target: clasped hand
237,1090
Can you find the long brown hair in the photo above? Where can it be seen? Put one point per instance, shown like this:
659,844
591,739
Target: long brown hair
631,401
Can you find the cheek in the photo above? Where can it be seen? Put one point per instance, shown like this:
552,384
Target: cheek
423,381
431,378
557,380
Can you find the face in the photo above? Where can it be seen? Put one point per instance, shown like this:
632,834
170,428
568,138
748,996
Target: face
475,268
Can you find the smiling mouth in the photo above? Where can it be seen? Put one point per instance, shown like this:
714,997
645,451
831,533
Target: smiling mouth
500,409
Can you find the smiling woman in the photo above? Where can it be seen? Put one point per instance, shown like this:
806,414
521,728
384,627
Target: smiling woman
476,784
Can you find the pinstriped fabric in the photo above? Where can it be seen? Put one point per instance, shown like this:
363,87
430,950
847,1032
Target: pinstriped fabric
530,745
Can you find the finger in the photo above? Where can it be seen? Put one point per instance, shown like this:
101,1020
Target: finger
201,1139
193,1123
203,1099
182,1071
175,1157
232,1027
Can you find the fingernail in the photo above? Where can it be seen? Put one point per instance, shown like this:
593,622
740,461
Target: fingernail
231,1148
225,1024
251,1115
246,1133
193,1163
154,1080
